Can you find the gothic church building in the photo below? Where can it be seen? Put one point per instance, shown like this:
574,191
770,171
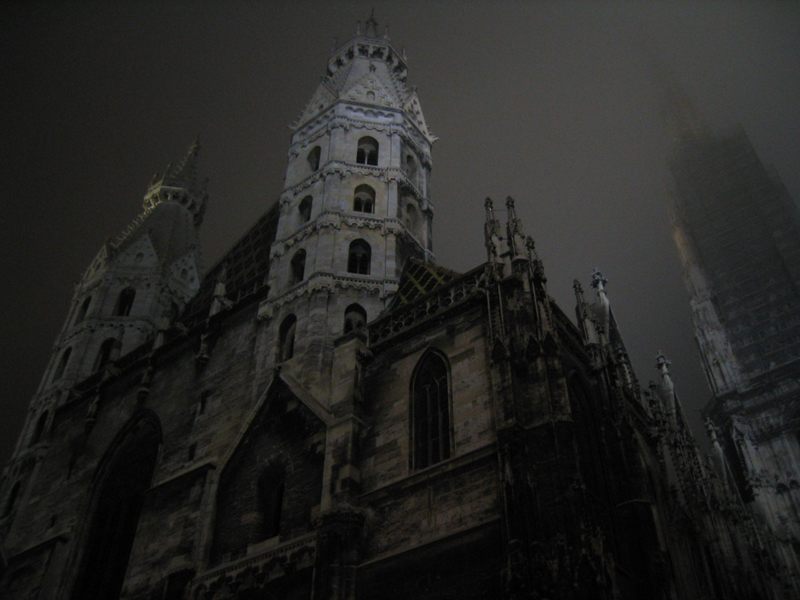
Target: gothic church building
327,413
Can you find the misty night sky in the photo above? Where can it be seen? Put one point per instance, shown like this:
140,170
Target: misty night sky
556,104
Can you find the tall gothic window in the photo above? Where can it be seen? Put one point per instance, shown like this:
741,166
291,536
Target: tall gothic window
271,486
355,318
116,503
305,209
410,168
364,199
38,431
125,302
359,257
104,354
430,411
286,338
84,308
313,158
367,153
297,267
62,364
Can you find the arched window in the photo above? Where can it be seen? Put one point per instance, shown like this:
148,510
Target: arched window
410,217
38,431
286,338
84,308
304,209
367,153
364,199
430,411
12,499
125,302
355,318
271,485
62,364
297,267
124,476
313,158
411,168
104,354
359,257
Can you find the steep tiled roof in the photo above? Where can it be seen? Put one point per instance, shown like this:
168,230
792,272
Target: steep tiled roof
244,268
419,278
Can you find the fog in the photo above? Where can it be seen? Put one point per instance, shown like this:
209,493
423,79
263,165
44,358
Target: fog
556,104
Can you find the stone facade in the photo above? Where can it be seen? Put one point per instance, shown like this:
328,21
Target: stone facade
330,414
738,234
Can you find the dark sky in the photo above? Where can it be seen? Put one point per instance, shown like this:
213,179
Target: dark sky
555,104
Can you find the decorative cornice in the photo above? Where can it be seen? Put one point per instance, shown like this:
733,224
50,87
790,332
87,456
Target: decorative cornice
327,283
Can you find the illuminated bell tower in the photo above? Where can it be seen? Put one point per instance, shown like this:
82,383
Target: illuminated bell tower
355,204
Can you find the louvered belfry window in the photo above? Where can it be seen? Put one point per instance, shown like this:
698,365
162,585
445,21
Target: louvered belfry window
430,412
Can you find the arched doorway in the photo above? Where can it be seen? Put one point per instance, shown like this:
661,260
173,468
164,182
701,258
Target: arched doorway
124,476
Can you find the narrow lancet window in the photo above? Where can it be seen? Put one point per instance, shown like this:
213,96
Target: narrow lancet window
84,308
104,354
313,158
286,338
359,258
430,412
367,153
305,209
38,431
125,302
297,267
62,364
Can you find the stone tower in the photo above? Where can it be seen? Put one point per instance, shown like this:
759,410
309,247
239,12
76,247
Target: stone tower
137,283
355,204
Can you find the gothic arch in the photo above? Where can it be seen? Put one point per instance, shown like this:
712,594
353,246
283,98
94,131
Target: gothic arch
359,257
314,157
304,209
104,353
297,267
271,478
355,318
62,364
39,429
364,199
125,302
367,152
82,310
430,410
286,338
121,480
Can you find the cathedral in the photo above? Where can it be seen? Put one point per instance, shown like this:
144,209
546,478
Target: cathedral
737,231
327,413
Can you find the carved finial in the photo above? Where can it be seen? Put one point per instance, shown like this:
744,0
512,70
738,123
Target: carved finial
576,285
358,27
662,364
598,280
371,24
386,31
489,206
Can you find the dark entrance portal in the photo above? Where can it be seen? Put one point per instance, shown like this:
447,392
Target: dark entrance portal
124,477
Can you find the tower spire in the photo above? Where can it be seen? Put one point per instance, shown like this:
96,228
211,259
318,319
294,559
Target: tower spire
371,25
180,184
